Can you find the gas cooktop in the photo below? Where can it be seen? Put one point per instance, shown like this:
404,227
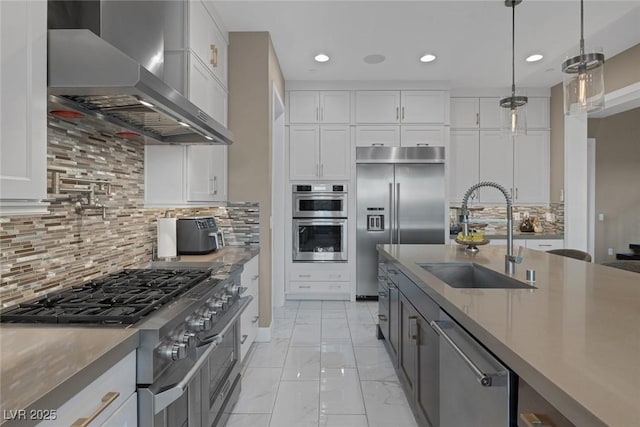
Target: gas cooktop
123,297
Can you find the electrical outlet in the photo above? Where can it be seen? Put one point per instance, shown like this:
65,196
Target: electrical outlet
516,216
600,217
562,195
610,251
550,217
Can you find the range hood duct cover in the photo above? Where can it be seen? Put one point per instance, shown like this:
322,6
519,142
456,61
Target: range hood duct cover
90,75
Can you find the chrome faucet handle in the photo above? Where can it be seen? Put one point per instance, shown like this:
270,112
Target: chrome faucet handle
518,258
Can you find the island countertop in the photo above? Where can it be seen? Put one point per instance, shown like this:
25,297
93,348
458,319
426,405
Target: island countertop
575,339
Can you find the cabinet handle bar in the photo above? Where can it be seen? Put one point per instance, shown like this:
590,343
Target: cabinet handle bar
107,400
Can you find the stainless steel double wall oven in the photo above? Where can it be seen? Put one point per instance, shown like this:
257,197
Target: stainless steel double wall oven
319,222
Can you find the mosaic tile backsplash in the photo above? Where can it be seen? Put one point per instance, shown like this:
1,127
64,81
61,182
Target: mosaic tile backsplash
44,253
495,217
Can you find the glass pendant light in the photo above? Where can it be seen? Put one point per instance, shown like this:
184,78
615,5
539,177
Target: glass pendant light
583,78
514,116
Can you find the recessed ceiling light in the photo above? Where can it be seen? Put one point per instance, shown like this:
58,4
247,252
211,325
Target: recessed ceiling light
427,58
321,57
374,58
534,58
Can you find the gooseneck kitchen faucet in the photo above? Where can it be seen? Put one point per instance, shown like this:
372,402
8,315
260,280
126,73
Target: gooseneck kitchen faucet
509,259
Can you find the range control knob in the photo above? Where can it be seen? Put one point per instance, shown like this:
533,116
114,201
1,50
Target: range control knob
200,324
219,304
188,338
235,290
175,351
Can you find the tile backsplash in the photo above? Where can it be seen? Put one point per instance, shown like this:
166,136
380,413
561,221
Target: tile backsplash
39,254
495,215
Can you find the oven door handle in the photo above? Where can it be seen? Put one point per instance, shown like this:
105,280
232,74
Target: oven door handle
163,399
244,303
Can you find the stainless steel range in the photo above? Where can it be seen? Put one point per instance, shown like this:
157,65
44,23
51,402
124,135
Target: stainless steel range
188,369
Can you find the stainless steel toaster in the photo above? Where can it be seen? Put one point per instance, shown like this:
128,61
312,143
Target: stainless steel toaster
198,235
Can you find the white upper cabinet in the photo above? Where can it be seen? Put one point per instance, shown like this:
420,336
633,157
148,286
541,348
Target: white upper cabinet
23,109
206,173
490,113
319,152
465,113
377,106
464,163
411,107
538,115
422,106
377,136
181,175
329,107
531,167
196,55
496,164
422,136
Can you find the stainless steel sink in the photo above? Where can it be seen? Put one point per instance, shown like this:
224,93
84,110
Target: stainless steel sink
471,275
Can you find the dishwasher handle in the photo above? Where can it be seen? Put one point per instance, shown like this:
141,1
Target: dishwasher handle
483,379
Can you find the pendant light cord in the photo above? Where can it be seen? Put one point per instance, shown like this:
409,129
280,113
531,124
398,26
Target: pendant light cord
513,51
581,28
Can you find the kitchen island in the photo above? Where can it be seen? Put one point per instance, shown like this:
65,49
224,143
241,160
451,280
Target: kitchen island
574,338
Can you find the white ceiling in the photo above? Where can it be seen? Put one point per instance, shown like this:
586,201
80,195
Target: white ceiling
472,39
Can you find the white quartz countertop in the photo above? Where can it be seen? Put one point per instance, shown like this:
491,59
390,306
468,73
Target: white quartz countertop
42,366
575,339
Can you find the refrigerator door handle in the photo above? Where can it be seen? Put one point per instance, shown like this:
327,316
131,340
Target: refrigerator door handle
391,206
397,214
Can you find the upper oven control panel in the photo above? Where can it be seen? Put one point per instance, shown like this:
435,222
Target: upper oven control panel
319,188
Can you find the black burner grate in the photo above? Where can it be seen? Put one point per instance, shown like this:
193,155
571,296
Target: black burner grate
121,298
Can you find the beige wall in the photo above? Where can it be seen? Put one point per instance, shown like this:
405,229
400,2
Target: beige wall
620,71
617,178
253,67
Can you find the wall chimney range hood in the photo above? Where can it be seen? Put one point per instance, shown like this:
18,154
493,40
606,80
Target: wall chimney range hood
105,59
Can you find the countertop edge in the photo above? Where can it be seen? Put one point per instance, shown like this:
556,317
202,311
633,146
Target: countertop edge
567,405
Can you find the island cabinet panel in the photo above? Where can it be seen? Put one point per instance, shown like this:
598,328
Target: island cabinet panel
394,311
409,335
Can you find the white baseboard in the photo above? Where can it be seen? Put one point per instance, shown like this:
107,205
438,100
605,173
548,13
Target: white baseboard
263,335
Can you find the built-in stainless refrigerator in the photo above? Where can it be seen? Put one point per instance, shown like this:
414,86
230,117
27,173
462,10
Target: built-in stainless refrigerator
400,199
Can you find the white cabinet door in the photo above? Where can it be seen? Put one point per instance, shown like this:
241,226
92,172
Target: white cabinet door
334,152
250,279
335,107
126,415
422,136
206,40
206,92
377,136
538,113
496,164
119,378
23,108
422,106
531,167
490,113
463,163
304,161
377,106
304,107
164,171
465,113
206,173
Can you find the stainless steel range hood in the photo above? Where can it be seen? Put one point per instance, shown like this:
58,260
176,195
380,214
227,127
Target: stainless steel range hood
93,75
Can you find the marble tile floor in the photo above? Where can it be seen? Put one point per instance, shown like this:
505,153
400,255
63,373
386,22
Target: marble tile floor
324,367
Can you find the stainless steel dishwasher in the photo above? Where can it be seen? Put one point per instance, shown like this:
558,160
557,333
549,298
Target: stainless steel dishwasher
476,389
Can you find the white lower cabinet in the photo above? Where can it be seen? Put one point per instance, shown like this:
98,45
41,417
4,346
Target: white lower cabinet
308,281
250,279
545,244
178,175
105,396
